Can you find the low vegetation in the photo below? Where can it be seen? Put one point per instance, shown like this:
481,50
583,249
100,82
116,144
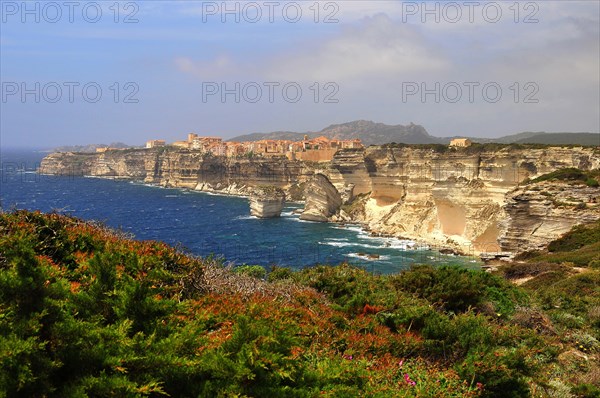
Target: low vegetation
86,311
574,175
579,247
477,147
356,208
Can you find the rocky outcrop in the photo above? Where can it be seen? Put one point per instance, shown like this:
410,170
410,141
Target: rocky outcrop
322,199
540,213
266,202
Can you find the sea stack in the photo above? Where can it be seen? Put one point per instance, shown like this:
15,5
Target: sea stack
266,201
322,199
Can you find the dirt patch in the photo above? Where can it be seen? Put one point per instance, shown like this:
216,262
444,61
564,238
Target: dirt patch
488,241
520,281
452,218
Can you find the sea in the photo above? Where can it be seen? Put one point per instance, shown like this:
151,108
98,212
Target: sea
205,224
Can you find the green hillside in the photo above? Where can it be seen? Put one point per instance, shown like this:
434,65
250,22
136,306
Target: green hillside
586,139
372,133
86,311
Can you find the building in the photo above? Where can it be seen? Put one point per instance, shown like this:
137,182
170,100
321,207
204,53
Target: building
218,149
205,144
351,144
461,142
234,149
317,149
181,144
155,143
191,137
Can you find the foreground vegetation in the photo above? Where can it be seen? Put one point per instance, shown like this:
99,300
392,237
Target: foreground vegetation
85,311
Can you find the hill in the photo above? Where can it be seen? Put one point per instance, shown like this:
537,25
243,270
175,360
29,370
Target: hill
87,311
586,139
378,133
275,135
372,133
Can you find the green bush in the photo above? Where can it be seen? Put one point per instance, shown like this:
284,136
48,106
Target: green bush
255,271
457,289
351,288
577,238
279,273
502,373
586,390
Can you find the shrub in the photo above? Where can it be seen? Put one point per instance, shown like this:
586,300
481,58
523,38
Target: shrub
255,271
577,238
351,288
279,273
522,270
566,174
500,372
592,182
585,390
457,289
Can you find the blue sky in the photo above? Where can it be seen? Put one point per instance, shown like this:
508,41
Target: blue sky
366,63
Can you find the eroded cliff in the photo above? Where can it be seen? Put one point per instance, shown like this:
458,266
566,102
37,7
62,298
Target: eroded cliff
457,198
183,169
322,199
538,213
469,199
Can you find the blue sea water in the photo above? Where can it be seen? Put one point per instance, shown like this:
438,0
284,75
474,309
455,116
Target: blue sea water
205,224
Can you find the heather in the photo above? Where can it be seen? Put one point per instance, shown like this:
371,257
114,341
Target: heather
88,311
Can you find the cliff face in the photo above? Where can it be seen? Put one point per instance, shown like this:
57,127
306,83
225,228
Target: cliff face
454,198
471,201
322,199
183,169
539,213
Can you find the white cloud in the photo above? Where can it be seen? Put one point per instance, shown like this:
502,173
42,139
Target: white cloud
375,47
221,66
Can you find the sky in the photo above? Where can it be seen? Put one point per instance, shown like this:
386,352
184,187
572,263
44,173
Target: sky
76,72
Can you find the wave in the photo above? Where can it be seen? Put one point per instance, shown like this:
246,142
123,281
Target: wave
245,218
365,257
144,184
356,229
297,219
347,244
